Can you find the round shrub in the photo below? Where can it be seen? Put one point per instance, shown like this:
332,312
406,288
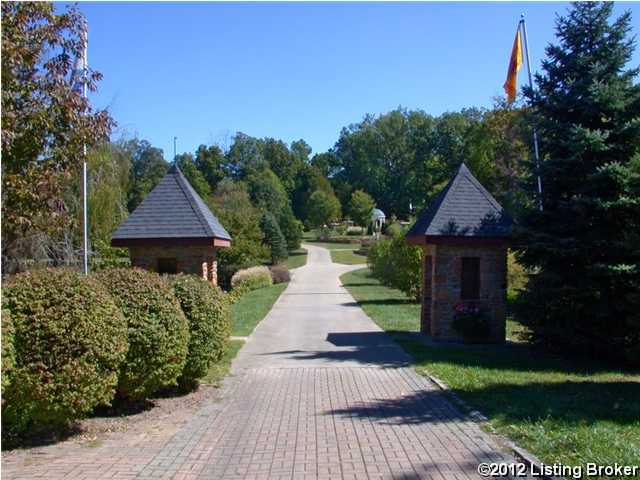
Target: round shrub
280,273
207,310
70,340
158,331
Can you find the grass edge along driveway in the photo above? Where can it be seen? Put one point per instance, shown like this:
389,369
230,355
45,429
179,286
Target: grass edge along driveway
246,313
252,307
562,410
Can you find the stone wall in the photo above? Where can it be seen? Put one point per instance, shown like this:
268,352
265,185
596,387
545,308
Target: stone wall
196,260
444,291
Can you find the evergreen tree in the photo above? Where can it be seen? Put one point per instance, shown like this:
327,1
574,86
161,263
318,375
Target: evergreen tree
274,238
583,246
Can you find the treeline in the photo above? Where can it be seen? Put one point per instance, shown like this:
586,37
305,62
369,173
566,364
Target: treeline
263,189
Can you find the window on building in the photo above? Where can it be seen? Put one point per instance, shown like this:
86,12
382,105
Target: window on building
167,265
470,278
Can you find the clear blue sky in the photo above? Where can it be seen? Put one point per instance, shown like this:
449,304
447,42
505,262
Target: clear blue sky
203,71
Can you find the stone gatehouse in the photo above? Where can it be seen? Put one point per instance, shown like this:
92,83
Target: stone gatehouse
173,231
464,234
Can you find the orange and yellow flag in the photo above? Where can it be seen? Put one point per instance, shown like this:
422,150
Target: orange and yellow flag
511,85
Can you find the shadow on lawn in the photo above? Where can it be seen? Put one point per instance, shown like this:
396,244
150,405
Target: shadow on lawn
569,402
513,356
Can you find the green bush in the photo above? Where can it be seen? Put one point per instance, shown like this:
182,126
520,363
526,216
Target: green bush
274,238
70,340
207,310
291,228
397,265
280,273
8,349
517,276
158,331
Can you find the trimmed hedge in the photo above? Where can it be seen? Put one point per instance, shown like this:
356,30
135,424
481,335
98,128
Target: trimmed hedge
70,340
280,273
158,331
208,312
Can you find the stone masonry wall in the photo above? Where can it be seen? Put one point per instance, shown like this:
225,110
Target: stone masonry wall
446,287
196,260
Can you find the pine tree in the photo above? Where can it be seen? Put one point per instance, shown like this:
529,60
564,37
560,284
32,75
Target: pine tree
584,246
274,238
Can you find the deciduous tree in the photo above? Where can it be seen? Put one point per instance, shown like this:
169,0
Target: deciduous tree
44,126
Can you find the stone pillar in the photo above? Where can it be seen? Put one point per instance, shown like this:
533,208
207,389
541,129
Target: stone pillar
427,291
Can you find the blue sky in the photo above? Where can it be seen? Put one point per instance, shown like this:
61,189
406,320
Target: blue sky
203,71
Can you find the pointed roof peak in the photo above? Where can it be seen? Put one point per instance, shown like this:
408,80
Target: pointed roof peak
463,168
173,209
464,208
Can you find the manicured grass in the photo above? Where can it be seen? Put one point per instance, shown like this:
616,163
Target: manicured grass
342,252
220,369
571,411
347,257
334,246
297,258
389,308
252,307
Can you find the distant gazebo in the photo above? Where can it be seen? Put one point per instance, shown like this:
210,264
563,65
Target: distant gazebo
464,234
173,231
377,219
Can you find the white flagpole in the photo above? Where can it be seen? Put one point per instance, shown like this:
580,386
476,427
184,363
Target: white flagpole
535,133
84,154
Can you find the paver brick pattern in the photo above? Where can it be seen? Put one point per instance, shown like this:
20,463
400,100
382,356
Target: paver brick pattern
318,392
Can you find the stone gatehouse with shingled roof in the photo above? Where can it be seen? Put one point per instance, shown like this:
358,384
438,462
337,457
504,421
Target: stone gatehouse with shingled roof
173,231
464,234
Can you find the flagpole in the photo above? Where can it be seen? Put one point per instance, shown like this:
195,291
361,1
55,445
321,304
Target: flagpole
535,133
84,156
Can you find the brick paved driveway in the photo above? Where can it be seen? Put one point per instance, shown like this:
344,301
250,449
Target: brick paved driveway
319,391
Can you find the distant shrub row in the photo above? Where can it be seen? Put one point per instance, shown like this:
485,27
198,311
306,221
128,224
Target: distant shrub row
72,343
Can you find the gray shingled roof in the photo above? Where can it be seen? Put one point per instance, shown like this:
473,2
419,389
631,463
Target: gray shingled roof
463,209
173,209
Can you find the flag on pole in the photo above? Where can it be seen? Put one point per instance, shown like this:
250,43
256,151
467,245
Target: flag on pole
511,84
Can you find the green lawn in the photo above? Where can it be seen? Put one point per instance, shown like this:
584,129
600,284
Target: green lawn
562,410
220,369
297,258
334,246
348,257
342,252
389,308
252,307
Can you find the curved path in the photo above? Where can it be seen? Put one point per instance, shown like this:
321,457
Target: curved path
320,391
